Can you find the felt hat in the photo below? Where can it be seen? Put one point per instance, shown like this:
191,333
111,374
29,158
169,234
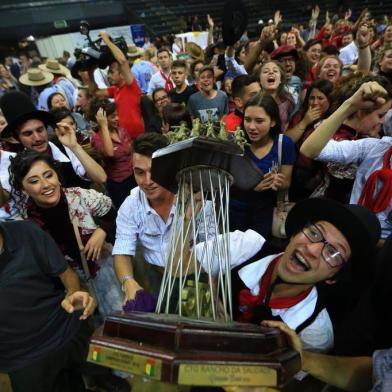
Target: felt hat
194,51
284,50
134,51
36,77
18,108
359,225
53,66
234,21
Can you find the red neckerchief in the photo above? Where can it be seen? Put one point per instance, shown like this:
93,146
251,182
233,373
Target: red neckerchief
168,82
248,302
380,202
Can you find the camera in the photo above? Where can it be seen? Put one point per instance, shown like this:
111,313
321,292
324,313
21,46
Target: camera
95,53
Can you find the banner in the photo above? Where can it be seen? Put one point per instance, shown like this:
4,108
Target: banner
138,34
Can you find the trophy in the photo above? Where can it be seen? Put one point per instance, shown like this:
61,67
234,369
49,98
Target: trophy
192,339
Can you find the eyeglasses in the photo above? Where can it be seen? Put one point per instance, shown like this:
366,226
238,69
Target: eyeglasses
287,59
330,254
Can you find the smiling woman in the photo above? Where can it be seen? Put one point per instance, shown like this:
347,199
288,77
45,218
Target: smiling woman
56,209
273,82
329,68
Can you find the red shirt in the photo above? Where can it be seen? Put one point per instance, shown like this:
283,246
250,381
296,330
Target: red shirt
127,99
119,167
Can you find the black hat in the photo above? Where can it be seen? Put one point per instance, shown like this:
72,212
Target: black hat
235,20
358,224
18,108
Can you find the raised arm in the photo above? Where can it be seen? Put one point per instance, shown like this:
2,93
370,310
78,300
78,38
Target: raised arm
102,121
313,22
119,56
267,36
368,96
364,52
210,22
67,137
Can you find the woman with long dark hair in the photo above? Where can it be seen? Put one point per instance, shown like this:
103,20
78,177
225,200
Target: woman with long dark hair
68,214
254,209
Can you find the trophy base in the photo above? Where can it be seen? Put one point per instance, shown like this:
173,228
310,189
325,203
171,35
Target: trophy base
192,352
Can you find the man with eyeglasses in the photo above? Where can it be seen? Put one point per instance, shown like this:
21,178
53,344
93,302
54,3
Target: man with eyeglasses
325,236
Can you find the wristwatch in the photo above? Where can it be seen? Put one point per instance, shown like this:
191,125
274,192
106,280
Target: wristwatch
123,279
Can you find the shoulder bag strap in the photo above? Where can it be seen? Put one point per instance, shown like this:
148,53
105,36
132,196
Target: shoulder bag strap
81,247
282,195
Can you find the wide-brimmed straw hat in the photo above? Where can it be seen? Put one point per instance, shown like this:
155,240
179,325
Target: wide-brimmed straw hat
134,51
359,225
53,66
36,77
194,51
18,108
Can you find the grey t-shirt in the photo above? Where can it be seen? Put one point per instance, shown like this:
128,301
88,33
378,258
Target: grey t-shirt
202,107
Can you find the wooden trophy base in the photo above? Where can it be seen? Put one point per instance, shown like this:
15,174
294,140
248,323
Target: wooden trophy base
180,351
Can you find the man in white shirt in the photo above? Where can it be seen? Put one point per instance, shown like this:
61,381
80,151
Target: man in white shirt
324,236
163,77
146,217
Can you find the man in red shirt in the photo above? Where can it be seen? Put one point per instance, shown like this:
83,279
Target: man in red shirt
124,89
243,88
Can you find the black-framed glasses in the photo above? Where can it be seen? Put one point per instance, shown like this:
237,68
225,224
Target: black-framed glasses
330,254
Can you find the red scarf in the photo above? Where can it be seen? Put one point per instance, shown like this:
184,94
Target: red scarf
249,302
380,202
168,82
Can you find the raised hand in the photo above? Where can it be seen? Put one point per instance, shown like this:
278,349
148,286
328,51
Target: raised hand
277,18
66,135
210,21
363,35
268,34
315,12
347,14
101,118
369,96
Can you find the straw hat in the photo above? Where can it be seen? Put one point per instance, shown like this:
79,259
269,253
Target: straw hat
35,77
53,66
134,51
194,50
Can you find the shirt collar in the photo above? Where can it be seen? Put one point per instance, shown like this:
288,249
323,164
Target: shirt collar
252,273
149,210
57,154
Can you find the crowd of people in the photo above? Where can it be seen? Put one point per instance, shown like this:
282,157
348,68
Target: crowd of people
78,199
